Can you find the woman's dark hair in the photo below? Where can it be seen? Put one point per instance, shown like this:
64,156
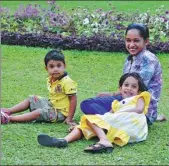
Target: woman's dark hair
54,55
142,86
143,29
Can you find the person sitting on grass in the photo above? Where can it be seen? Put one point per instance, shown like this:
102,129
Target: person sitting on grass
124,123
62,101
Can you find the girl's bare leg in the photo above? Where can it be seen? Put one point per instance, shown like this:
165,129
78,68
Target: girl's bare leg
24,105
100,134
74,135
27,117
45,140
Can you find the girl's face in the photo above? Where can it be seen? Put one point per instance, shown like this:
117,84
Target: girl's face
134,42
129,87
55,69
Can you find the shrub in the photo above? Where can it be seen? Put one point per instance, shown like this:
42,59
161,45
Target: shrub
94,43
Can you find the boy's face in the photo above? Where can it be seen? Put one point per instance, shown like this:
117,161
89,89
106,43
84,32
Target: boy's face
129,87
55,69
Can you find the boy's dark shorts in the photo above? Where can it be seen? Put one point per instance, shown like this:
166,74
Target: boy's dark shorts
47,112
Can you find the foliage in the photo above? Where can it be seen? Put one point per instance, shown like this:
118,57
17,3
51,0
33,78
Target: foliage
97,42
34,19
158,24
83,22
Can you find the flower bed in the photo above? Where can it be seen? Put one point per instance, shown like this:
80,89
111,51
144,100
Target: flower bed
80,29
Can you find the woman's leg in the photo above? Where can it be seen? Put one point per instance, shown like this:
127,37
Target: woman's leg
27,117
98,105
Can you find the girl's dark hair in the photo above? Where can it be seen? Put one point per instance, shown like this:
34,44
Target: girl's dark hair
142,86
143,29
54,55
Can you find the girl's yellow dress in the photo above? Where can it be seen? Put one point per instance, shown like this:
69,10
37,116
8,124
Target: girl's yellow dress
122,127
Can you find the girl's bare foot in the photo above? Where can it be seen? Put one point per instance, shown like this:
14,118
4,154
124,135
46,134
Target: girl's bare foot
106,143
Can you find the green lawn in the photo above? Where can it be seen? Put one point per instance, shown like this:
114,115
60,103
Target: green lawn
23,74
127,6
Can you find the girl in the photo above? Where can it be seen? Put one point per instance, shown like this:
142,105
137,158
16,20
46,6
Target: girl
141,61
124,123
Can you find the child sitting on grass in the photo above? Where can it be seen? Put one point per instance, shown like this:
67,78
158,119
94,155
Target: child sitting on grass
62,101
124,123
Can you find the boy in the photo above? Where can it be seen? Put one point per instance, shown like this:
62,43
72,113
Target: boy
62,101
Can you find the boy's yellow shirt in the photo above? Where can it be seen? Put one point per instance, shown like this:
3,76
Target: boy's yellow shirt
59,92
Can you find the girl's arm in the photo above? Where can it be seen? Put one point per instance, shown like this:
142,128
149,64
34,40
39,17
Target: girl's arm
108,94
72,108
139,106
104,94
111,111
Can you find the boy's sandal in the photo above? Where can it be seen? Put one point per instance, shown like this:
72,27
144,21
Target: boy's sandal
4,118
98,148
5,111
45,140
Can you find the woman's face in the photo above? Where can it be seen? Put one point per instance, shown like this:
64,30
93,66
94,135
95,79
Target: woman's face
134,42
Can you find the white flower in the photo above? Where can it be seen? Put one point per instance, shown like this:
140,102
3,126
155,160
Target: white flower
162,33
93,15
167,16
85,21
145,14
102,14
95,24
95,30
167,25
162,19
156,20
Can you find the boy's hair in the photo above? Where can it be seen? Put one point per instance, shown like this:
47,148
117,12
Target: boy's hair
55,55
142,86
143,29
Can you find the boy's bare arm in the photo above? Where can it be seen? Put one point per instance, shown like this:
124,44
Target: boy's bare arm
72,108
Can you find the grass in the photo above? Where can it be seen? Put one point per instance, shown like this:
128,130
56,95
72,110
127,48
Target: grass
126,6
23,74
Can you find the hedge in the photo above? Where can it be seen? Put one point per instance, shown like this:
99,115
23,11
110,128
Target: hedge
97,42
